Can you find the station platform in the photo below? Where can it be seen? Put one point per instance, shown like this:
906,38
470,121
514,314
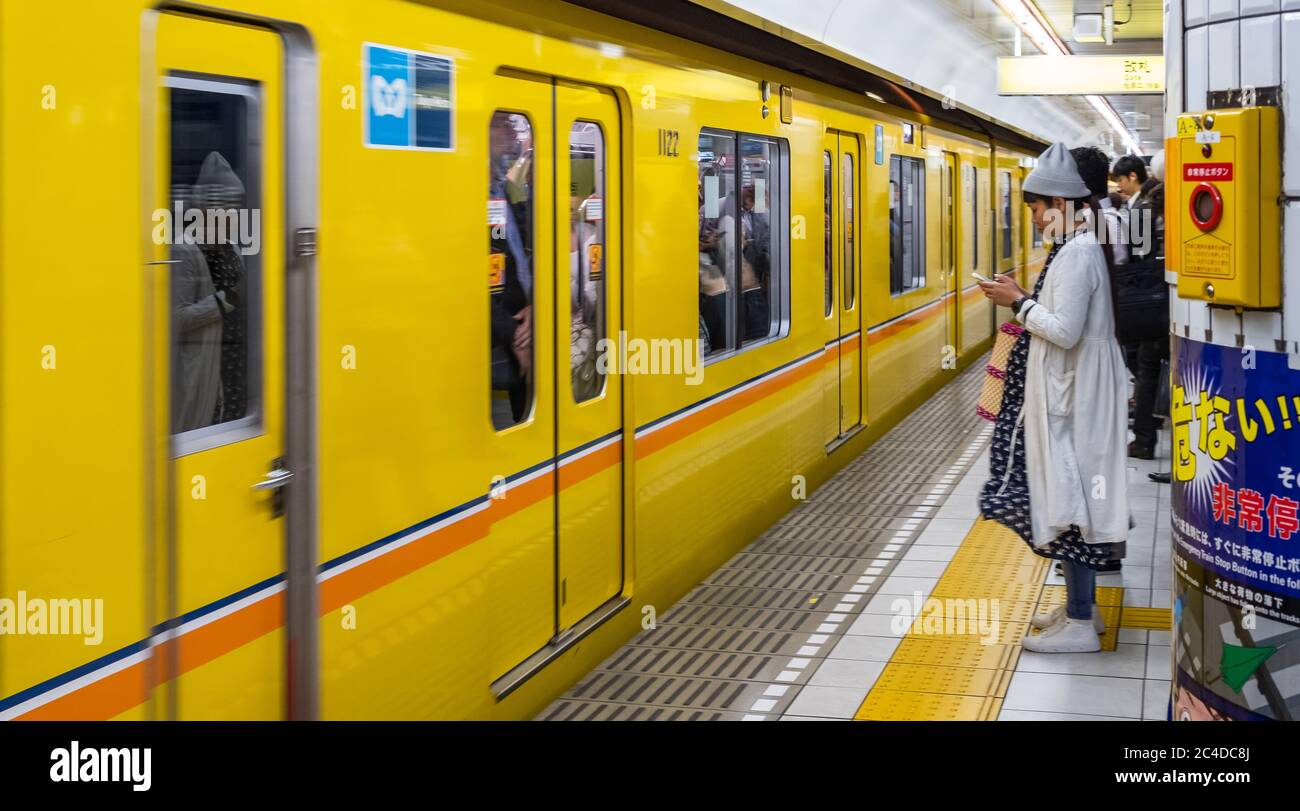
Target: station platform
825,616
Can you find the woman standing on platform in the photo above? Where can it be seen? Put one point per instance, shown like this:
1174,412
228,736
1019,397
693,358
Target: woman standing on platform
1058,475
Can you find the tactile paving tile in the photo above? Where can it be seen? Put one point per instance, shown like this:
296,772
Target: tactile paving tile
957,609
1112,596
899,705
1151,619
968,588
966,681
918,650
979,571
960,679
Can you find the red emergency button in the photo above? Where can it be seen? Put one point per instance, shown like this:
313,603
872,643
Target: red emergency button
1206,206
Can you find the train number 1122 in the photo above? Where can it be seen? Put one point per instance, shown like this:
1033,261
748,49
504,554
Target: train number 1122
668,143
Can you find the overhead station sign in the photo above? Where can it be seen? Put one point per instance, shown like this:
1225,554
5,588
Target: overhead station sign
1080,75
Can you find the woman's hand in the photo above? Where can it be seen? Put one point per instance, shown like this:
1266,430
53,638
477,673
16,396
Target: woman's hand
1002,291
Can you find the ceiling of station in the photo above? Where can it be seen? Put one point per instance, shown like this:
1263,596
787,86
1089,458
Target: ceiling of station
951,47
1134,19
1139,29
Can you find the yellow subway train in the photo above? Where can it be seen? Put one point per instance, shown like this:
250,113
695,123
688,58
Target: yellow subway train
353,366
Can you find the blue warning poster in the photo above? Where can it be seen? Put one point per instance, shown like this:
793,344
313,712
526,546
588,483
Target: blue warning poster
1235,527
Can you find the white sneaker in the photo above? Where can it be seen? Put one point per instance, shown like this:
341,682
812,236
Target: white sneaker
1071,636
1057,614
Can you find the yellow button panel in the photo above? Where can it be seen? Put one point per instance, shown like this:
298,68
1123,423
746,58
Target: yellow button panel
1224,208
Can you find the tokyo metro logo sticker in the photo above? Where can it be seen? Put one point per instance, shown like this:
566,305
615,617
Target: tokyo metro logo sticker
409,100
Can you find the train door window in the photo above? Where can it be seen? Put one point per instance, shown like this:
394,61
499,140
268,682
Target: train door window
906,224
949,209
1004,183
717,206
215,272
970,220
510,266
761,276
586,254
827,247
742,192
847,191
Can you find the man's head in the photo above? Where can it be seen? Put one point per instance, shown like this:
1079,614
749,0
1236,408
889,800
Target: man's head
504,136
1093,168
1129,174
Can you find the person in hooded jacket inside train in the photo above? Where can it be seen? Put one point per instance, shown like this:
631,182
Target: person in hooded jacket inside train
198,310
1057,464
221,194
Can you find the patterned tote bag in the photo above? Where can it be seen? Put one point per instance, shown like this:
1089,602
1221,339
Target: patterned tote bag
990,402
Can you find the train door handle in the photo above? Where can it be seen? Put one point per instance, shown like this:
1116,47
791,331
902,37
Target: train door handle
276,478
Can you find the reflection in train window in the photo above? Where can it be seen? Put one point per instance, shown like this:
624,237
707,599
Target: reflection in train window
586,257
743,190
510,266
760,249
215,252
1004,188
906,224
847,193
972,216
717,199
828,248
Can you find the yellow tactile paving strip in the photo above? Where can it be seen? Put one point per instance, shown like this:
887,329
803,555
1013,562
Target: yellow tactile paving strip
949,668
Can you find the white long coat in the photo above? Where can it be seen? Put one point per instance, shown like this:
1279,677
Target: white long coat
1075,412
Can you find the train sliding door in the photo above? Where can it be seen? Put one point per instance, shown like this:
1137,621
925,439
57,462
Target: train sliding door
218,227
843,311
557,408
588,401
948,257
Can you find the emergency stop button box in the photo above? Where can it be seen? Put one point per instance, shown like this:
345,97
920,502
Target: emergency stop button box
1230,220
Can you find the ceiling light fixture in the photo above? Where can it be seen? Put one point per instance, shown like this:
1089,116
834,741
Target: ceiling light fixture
1027,17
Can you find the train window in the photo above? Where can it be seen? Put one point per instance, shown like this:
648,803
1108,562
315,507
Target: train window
827,246
586,257
846,186
510,265
1004,184
742,192
760,251
971,218
717,192
216,365
906,224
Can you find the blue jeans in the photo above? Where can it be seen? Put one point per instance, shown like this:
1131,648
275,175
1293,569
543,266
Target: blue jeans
1080,590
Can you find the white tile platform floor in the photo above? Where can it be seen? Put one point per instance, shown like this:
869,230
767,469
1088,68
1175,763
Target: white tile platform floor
1130,683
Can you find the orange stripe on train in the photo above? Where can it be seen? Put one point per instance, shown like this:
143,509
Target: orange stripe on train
129,687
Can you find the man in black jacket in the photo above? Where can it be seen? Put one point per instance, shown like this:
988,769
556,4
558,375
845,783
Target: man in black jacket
1143,296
